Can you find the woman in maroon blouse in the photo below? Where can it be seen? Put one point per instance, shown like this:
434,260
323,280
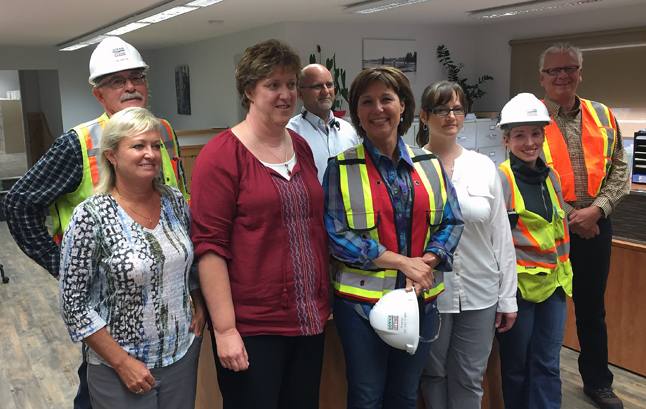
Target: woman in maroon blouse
258,231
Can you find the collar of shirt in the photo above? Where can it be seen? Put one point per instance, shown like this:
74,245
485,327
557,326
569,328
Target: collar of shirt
376,156
317,122
555,109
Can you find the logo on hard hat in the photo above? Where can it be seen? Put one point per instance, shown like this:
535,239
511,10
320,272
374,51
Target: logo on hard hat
532,112
119,51
393,322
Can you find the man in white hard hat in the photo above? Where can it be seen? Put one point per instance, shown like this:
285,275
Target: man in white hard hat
67,173
326,135
585,147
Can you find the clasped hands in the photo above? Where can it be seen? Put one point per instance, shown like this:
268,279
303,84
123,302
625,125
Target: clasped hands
584,221
419,272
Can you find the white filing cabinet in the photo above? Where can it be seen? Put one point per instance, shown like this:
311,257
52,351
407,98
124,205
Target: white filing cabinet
482,135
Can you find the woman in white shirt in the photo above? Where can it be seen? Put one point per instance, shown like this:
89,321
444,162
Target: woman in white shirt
480,293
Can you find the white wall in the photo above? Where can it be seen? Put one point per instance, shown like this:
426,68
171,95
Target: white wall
493,52
8,82
214,99
77,102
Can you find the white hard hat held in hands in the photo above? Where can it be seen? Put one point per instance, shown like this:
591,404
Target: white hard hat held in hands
114,55
524,109
395,318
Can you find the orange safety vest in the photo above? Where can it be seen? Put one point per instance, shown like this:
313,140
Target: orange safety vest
598,139
370,214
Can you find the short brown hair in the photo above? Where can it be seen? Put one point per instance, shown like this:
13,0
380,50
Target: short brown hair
259,61
392,78
439,93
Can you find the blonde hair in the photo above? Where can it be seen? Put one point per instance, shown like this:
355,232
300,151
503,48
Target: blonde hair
128,122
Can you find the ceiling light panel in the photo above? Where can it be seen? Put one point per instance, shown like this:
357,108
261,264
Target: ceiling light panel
367,7
127,28
202,3
165,15
526,7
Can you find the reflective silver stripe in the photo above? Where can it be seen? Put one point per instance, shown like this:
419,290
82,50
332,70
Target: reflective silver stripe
506,188
95,130
603,118
355,190
167,140
436,184
525,255
601,113
561,249
366,282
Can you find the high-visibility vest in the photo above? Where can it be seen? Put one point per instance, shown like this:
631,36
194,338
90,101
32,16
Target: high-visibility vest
598,138
370,214
89,135
542,247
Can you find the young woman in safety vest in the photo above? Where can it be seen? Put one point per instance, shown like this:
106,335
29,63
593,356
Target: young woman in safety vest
393,221
530,350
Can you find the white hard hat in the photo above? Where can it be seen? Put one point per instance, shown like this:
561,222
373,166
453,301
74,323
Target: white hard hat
395,318
114,55
524,109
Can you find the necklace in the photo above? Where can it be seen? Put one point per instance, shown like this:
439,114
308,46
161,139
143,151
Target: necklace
130,207
289,172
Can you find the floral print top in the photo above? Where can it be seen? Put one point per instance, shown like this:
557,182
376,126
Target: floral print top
131,280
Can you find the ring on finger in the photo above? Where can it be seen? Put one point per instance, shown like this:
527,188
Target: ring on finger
140,391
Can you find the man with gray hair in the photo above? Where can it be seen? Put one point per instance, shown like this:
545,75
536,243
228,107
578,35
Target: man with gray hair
592,164
326,135
67,173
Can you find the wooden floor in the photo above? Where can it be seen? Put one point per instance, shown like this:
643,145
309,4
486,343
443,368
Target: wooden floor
38,361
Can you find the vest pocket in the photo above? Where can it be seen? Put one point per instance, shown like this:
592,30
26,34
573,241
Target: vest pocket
362,223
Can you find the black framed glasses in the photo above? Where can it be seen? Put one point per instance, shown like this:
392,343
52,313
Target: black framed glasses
319,86
445,111
553,72
120,82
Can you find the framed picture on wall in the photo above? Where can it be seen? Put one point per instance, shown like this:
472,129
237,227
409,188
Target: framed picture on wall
401,54
183,90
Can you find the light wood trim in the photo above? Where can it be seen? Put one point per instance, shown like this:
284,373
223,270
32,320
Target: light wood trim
189,155
587,34
625,308
213,131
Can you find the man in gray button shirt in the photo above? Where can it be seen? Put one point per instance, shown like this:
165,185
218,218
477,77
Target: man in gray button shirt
326,135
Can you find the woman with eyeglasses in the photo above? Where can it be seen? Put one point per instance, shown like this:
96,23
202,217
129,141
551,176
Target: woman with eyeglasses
480,293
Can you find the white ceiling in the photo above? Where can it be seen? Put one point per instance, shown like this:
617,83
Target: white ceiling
51,22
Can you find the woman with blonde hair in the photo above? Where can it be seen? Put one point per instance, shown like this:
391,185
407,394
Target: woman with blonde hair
127,279
530,351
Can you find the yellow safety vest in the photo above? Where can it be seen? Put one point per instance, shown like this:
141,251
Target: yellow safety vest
370,214
89,135
542,247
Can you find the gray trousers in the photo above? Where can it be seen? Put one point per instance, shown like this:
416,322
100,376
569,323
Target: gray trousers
174,388
453,375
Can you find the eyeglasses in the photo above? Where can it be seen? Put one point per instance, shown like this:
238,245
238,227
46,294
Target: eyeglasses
120,82
553,72
319,86
445,111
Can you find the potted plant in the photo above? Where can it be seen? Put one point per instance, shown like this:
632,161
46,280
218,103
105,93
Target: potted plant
338,77
472,91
